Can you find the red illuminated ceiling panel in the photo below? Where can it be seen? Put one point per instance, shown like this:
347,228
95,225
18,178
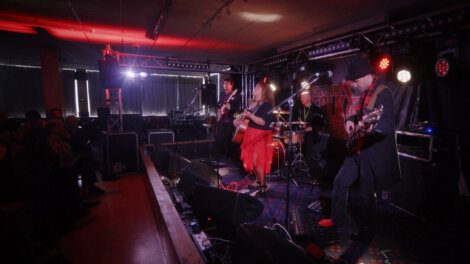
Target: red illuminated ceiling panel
100,34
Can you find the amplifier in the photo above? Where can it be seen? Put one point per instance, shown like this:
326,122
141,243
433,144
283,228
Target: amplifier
159,136
415,145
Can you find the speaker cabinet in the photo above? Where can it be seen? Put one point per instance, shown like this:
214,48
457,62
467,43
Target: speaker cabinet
196,173
209,94
255,244
121,152
225,207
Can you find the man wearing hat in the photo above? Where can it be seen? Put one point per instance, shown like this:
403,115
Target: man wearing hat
375,164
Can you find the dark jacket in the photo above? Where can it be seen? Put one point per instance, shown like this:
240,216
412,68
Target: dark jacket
380,146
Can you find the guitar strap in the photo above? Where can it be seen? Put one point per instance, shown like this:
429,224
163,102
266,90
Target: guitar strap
373,98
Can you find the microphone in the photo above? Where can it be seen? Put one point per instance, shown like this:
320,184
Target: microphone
321,74
314,77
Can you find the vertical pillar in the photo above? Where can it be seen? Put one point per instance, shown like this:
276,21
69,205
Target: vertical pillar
51,78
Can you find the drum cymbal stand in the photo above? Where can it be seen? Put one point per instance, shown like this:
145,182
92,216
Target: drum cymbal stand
300,167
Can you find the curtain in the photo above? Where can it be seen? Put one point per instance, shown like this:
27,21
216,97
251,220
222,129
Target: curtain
20,90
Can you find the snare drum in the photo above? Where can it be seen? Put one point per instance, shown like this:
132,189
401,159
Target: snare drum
297,137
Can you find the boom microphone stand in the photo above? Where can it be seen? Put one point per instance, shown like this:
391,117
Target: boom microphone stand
290,101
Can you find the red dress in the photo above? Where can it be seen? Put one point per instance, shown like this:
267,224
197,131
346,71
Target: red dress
257,145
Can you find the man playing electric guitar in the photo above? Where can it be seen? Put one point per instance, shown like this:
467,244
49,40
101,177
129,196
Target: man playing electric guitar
375,164
229,105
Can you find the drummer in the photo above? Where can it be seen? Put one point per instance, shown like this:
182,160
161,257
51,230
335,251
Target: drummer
313,120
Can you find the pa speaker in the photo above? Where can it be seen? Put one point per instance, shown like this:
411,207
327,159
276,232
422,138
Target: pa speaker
255,244
121,153
110,74
196,173
225,207
209,94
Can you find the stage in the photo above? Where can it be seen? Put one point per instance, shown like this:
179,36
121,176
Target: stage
400,236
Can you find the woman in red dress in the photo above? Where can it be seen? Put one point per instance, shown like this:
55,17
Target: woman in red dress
256,148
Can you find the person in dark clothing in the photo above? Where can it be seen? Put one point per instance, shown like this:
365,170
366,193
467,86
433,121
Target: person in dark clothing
314,120
86,165
229,105
374,162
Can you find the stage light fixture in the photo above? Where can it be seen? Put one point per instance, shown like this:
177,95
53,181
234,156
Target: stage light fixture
130,74
384,63
143,74
442,67
273,87
304,85
403,75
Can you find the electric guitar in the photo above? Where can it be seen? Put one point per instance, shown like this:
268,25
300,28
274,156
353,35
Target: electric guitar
356,138
241,128
221,111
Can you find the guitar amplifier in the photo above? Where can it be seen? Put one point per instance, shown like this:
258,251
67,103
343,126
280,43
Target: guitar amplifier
161,136
416,146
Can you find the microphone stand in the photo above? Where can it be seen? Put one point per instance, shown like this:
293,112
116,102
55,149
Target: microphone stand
290,101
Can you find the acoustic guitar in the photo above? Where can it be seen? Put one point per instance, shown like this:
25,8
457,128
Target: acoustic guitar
241,128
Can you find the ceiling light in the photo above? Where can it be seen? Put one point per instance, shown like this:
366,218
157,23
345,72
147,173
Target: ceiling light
267,18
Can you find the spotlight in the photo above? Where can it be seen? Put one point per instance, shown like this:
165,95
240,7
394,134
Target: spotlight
403,75
304,85
442,67
143,74
384,63
273,87
130,74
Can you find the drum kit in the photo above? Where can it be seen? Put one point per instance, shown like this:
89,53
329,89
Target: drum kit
281,140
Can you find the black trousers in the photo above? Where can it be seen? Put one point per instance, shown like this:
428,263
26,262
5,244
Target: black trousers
353,168
224,140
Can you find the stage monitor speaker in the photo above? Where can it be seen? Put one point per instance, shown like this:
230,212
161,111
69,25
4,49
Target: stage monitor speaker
196,173
226,207
255,244
209,94
121,153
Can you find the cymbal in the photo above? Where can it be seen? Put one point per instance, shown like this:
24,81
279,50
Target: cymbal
299,123
280,112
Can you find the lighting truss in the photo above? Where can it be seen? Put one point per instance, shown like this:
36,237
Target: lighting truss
427,25
164,63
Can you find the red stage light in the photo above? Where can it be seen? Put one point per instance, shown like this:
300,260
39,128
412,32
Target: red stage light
442,67
384,63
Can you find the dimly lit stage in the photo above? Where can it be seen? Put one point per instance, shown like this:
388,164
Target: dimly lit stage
122,229
400,236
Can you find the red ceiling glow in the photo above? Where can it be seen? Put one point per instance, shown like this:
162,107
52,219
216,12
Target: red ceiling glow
99,33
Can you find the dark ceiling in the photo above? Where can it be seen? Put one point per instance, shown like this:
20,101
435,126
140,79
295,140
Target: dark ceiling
237,31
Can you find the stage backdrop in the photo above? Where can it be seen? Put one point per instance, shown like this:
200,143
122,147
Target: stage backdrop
336,102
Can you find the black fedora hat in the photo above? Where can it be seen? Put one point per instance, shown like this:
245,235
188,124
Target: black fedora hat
358,68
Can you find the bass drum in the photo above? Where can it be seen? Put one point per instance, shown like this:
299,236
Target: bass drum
279,155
